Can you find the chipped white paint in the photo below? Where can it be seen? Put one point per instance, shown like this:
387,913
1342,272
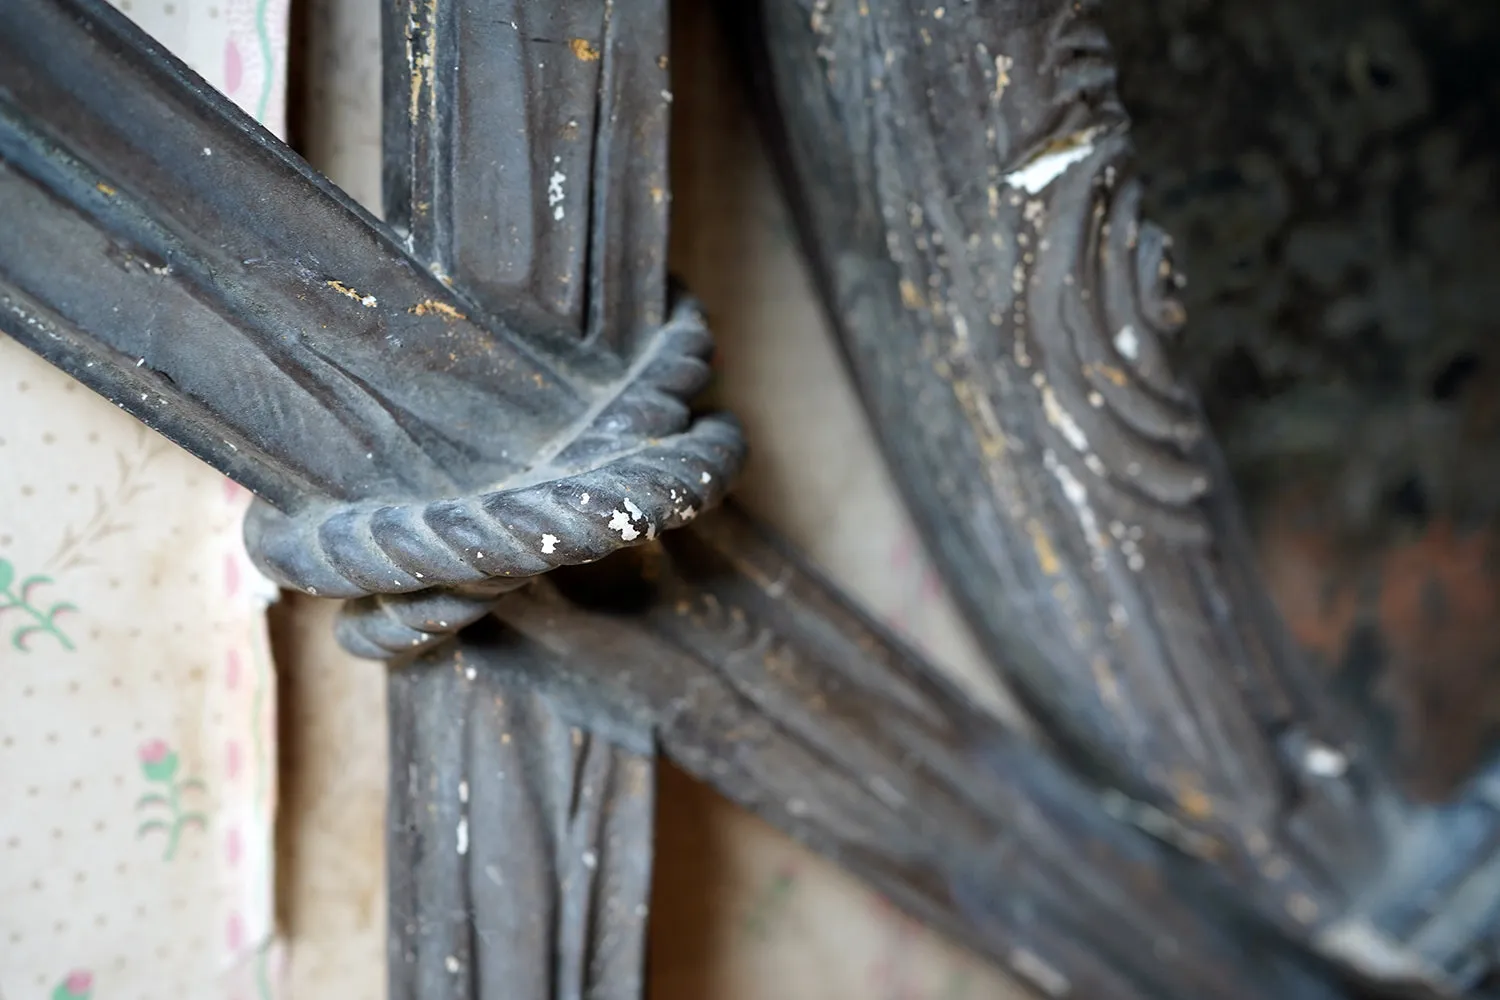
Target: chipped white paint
583,501
1128,343
705,479
1370,950
451,963
549,544
463,835
1036,175
463,791
590,860
686,513
1041,974
620,521
635,512
1063,421
470,673
1324,761
555,193
1078,497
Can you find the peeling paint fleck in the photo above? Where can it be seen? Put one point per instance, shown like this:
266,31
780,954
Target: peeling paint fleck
368,301
1063,421
1128,343
1052,162
433,307
555,193
635,512
1002,77
549,544
584,49
620,521
1324,761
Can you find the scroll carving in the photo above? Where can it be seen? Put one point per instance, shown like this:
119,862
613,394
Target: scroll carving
1007,314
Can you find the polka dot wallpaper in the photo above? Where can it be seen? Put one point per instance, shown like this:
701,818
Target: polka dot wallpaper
137,708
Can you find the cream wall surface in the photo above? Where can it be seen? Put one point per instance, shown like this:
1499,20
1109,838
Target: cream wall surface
137,694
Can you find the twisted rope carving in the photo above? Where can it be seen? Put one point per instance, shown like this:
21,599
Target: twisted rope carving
415,572
358,549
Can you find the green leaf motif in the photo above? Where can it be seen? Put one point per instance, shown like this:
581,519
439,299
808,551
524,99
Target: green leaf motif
163,770
18,599
74,988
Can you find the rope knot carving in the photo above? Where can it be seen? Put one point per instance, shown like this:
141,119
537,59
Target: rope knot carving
414,572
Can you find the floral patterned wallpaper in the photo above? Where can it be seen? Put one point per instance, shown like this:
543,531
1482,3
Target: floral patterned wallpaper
137,695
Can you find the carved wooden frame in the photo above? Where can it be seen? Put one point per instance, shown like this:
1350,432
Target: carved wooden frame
1201,821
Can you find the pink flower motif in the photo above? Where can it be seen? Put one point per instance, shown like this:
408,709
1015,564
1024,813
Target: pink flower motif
158,761
78,986
232,670
235,933
234,67
233,759
233,848
231,575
